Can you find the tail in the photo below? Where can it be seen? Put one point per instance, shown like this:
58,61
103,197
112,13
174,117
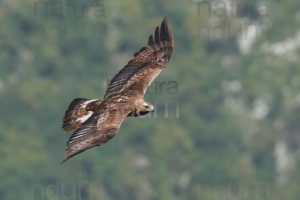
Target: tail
78,112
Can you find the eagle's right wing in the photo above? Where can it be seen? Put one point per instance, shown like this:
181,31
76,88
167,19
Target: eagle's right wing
134,79
97,130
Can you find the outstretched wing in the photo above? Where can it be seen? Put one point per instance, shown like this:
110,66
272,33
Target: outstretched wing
98,130
137,75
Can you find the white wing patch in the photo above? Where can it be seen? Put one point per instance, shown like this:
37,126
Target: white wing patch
85,117
89,101
89,114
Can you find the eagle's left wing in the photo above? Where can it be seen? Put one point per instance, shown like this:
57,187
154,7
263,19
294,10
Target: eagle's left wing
134,79
97,130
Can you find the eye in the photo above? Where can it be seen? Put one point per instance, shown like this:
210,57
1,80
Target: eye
146,106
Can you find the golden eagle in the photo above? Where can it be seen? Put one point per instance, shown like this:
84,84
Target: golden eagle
96,121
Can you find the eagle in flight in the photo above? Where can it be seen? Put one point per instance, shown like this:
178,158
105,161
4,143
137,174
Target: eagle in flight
94,121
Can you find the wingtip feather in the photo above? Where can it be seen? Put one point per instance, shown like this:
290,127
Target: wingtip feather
168,31
164,33
157,35
161,39
151,40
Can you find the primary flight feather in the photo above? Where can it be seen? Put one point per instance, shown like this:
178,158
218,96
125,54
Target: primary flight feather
96,121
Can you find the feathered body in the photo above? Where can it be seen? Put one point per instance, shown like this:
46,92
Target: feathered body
96,121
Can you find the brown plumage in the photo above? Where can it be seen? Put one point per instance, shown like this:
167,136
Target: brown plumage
96,121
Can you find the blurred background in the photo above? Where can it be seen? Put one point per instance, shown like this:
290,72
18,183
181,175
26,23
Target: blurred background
228,105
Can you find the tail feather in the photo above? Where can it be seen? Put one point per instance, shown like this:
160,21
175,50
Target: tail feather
77,113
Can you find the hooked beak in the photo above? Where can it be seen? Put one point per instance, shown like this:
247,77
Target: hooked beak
151,108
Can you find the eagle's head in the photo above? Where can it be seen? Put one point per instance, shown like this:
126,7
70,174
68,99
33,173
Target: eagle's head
141,109
146,108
